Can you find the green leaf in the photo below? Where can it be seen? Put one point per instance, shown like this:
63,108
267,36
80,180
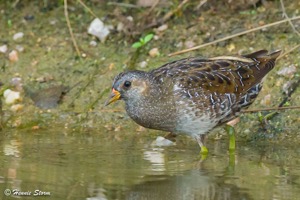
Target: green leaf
148,38
137,45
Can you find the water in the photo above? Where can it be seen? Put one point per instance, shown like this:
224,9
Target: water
108,165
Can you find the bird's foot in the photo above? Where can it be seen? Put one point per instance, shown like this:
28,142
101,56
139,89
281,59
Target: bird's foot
204,150
203,153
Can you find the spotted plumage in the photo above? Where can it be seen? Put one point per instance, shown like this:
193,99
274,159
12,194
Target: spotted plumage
193,95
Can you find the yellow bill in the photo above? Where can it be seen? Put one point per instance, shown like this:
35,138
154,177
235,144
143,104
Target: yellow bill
115,95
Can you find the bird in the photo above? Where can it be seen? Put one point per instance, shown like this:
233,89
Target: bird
193,95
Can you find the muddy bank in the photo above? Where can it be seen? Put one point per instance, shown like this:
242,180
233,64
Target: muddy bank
46,69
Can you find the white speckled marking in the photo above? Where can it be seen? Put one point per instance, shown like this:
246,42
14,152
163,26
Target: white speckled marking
193,125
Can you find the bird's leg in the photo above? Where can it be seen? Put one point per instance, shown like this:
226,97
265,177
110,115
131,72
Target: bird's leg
230,130
170,136
200,139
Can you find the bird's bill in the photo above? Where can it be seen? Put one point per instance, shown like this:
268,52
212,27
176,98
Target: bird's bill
115,95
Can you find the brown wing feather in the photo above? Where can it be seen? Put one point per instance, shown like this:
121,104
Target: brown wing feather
220,76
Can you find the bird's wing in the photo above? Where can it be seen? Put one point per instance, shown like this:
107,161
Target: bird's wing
224,74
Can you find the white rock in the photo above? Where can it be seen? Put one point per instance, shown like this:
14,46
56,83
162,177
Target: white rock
189,44
143,64
18,36
93,43
98,29
3,48
162,28
19,48
120,27
156,37
11,96
129,18
162,142
288,71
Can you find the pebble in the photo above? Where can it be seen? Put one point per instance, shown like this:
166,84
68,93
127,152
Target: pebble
17,83
156,37
93,43
13,56
18,36
154,52
129,18
120,27
3,48
161,141
288,71
162,28
20,48
11,96
53,22
143,64
230,47
17,107
189,44
98,29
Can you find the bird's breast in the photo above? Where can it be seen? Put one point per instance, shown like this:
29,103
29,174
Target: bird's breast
155,114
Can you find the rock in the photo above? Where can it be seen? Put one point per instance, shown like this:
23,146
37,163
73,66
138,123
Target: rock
189,44
93,43
154,52
162,28
120,27
230,47
3,48
18,36
129,18
288,71
143,64
17,107
17,83
13,56
47,98
11,96
98,29
20,48
29,17
162,142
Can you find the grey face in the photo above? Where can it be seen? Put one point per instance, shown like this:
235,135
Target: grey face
131,85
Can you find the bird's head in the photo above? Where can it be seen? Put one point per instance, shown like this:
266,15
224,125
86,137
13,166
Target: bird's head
129,86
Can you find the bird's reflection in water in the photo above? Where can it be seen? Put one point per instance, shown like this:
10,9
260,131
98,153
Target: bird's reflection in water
194,184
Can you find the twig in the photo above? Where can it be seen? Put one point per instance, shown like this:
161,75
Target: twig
167,16
87,8
152,7
287,17
292,88
268,109
170,14
70,28
234,35
201,3
123,5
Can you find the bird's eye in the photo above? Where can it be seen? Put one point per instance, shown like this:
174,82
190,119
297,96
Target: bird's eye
127,84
